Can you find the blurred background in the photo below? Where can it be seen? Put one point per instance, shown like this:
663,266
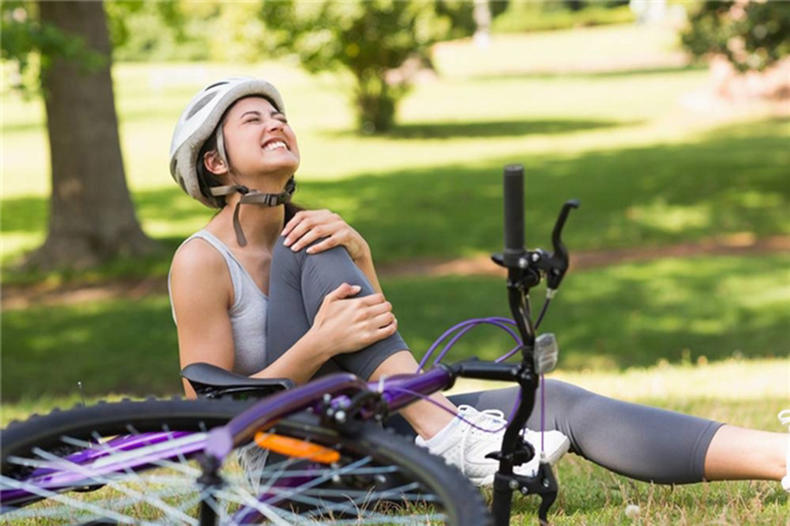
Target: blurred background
668,120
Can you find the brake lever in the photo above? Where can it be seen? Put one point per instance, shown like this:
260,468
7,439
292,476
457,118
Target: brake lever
559,259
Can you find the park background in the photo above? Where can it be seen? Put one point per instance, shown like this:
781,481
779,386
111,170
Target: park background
679,292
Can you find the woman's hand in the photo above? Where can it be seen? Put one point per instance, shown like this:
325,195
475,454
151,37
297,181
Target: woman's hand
347,324
307,226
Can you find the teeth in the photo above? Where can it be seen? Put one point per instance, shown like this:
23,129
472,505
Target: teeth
274,145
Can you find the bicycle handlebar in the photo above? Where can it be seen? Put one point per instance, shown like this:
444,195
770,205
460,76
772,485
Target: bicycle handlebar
514,214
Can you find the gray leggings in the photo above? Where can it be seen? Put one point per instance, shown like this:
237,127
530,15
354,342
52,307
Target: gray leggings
638,441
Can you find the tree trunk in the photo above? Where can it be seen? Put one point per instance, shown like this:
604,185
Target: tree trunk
92,218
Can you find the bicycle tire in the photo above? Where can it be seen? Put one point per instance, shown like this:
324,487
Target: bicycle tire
379,477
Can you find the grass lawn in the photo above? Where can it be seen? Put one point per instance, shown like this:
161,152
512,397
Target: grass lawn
597,114
647,169
747,393
669,310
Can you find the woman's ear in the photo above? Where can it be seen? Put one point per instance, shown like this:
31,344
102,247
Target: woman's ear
214,163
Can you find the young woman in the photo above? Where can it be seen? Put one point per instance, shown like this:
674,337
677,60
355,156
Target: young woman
268,290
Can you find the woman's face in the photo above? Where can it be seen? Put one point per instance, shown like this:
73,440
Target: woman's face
258,139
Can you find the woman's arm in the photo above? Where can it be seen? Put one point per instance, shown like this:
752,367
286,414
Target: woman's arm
202,293
307,226
342,324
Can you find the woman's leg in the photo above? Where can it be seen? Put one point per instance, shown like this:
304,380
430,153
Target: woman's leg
647,443
297,287
738,453
298,284
638,441
643,442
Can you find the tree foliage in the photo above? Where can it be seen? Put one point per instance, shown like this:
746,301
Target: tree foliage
34,44
752,35
368,39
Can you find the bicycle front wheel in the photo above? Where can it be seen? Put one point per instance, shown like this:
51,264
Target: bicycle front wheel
135,462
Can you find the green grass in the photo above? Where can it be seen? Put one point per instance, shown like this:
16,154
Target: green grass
746,393
648,170
728,181
596,114
536,16
667,310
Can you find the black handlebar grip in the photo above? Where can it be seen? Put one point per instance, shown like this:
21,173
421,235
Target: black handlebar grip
514,211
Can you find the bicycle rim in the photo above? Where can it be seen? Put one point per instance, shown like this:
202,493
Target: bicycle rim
373,477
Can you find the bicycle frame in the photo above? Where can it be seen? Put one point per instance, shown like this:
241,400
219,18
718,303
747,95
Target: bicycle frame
343,400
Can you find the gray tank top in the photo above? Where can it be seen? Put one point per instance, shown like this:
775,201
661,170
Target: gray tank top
247,314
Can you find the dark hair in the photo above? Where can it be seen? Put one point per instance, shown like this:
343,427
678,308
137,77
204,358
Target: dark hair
208,180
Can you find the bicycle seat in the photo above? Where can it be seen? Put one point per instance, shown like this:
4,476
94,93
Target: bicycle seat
210,381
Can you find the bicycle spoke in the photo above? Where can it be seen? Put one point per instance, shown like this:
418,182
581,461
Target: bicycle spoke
76,468
73,503
63,471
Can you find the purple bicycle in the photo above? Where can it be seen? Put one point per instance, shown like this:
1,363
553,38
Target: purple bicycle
261,451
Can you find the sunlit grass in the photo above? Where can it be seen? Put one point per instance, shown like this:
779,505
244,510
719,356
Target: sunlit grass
741,392
590,134
639,314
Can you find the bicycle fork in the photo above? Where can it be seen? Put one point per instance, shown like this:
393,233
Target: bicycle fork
515,451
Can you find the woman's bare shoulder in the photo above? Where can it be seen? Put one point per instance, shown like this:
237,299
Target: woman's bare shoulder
198,262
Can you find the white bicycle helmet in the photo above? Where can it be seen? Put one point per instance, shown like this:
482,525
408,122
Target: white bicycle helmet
199,120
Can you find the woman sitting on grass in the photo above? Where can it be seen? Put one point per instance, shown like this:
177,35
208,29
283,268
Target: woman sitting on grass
271,291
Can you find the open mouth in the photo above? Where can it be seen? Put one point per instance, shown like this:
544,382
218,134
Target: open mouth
274,145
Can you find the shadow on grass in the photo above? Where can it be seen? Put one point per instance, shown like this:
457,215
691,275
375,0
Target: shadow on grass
674,310
668,310
115,346
732,180
487,129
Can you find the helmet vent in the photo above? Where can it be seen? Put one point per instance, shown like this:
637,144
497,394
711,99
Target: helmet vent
200,104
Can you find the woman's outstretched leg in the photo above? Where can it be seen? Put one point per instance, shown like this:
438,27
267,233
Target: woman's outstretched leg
644,442
738,453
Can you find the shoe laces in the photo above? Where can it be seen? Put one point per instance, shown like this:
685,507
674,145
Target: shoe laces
475,424
478,419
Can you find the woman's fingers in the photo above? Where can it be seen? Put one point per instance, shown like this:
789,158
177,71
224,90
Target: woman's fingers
300,217
379,308
385,330
307,227
382,320
307,220
326,244
343,291
308,237
298,231
372,299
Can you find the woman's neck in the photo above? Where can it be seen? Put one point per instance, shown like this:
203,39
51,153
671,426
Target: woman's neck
261,224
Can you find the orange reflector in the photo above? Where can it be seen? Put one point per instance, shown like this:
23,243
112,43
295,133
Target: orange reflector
294,447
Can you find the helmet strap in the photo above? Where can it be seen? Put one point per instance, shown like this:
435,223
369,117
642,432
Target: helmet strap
253,197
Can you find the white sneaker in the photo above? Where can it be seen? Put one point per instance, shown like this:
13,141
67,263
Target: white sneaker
784,418
466,446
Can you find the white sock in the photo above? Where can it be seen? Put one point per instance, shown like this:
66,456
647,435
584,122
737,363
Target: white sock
437,440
